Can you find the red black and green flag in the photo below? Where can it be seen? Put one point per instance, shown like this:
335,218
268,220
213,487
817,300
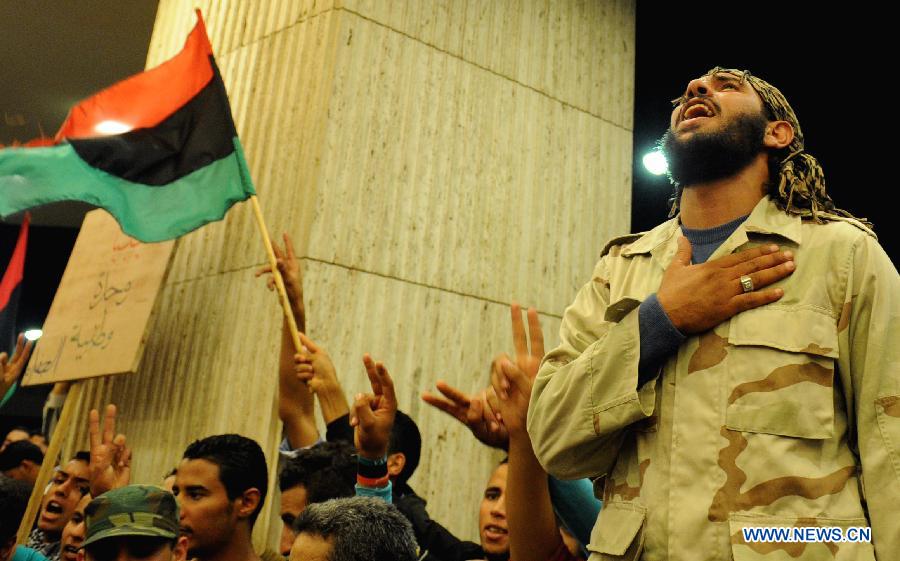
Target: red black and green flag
179,166
11,288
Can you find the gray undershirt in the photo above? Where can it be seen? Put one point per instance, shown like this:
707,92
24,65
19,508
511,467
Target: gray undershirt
659,338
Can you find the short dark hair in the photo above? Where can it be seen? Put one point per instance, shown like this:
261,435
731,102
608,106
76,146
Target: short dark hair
82,456
406,439
361,528
242,464
13,500
327,471
17,452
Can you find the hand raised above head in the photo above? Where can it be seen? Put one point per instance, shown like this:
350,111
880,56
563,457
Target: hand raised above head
11,369
472,411
372,415
481,412
313,366
699,297
289,267
110,466
512,381
287,263
527,359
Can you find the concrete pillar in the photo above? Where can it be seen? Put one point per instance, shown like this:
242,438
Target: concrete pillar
433,160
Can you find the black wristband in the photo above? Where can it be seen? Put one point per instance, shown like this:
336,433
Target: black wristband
369,469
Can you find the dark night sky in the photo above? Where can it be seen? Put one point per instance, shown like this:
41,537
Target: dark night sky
825,62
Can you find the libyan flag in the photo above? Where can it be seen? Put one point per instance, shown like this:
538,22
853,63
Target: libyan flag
178,166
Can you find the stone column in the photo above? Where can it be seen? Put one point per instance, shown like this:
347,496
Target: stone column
433,161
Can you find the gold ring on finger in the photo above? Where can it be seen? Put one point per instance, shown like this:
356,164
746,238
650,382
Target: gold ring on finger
747,283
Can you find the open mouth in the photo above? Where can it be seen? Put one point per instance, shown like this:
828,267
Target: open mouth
495,532
53,507
695,109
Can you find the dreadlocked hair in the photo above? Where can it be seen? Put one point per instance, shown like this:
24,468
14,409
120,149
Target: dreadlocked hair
797,182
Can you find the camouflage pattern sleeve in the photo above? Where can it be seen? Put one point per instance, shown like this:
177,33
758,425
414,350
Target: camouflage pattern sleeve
586,391
869,363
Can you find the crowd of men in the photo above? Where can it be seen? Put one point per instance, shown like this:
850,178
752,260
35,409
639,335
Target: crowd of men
343,495
759,318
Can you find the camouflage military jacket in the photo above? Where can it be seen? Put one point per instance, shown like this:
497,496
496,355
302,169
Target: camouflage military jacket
787,415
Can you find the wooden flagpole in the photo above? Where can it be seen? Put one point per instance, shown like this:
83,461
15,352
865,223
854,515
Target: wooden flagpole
279,282
285,303
53,449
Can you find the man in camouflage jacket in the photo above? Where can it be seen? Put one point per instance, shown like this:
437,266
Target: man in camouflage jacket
738,366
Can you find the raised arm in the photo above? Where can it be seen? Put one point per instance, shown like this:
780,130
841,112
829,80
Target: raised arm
11,368
296,404
296,401
289,267
473,411
313,366
533,532
372,418
110,466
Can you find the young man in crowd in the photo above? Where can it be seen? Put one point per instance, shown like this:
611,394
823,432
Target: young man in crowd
13,501
21,460
221,484
132,523
74,532
314,475
15,434
106,466
498,534
70,483
353,529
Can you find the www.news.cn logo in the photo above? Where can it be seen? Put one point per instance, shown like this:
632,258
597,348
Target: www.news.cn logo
807,534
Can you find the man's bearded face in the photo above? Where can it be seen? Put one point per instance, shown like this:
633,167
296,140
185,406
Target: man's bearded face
704,156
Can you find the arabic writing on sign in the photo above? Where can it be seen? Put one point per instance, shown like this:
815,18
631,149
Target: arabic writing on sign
98,338
101,310
106,293
41,364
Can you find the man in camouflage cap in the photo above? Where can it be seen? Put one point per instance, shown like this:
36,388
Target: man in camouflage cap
736,367
133,522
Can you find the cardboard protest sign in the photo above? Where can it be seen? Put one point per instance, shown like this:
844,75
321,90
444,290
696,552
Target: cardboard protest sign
99,317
